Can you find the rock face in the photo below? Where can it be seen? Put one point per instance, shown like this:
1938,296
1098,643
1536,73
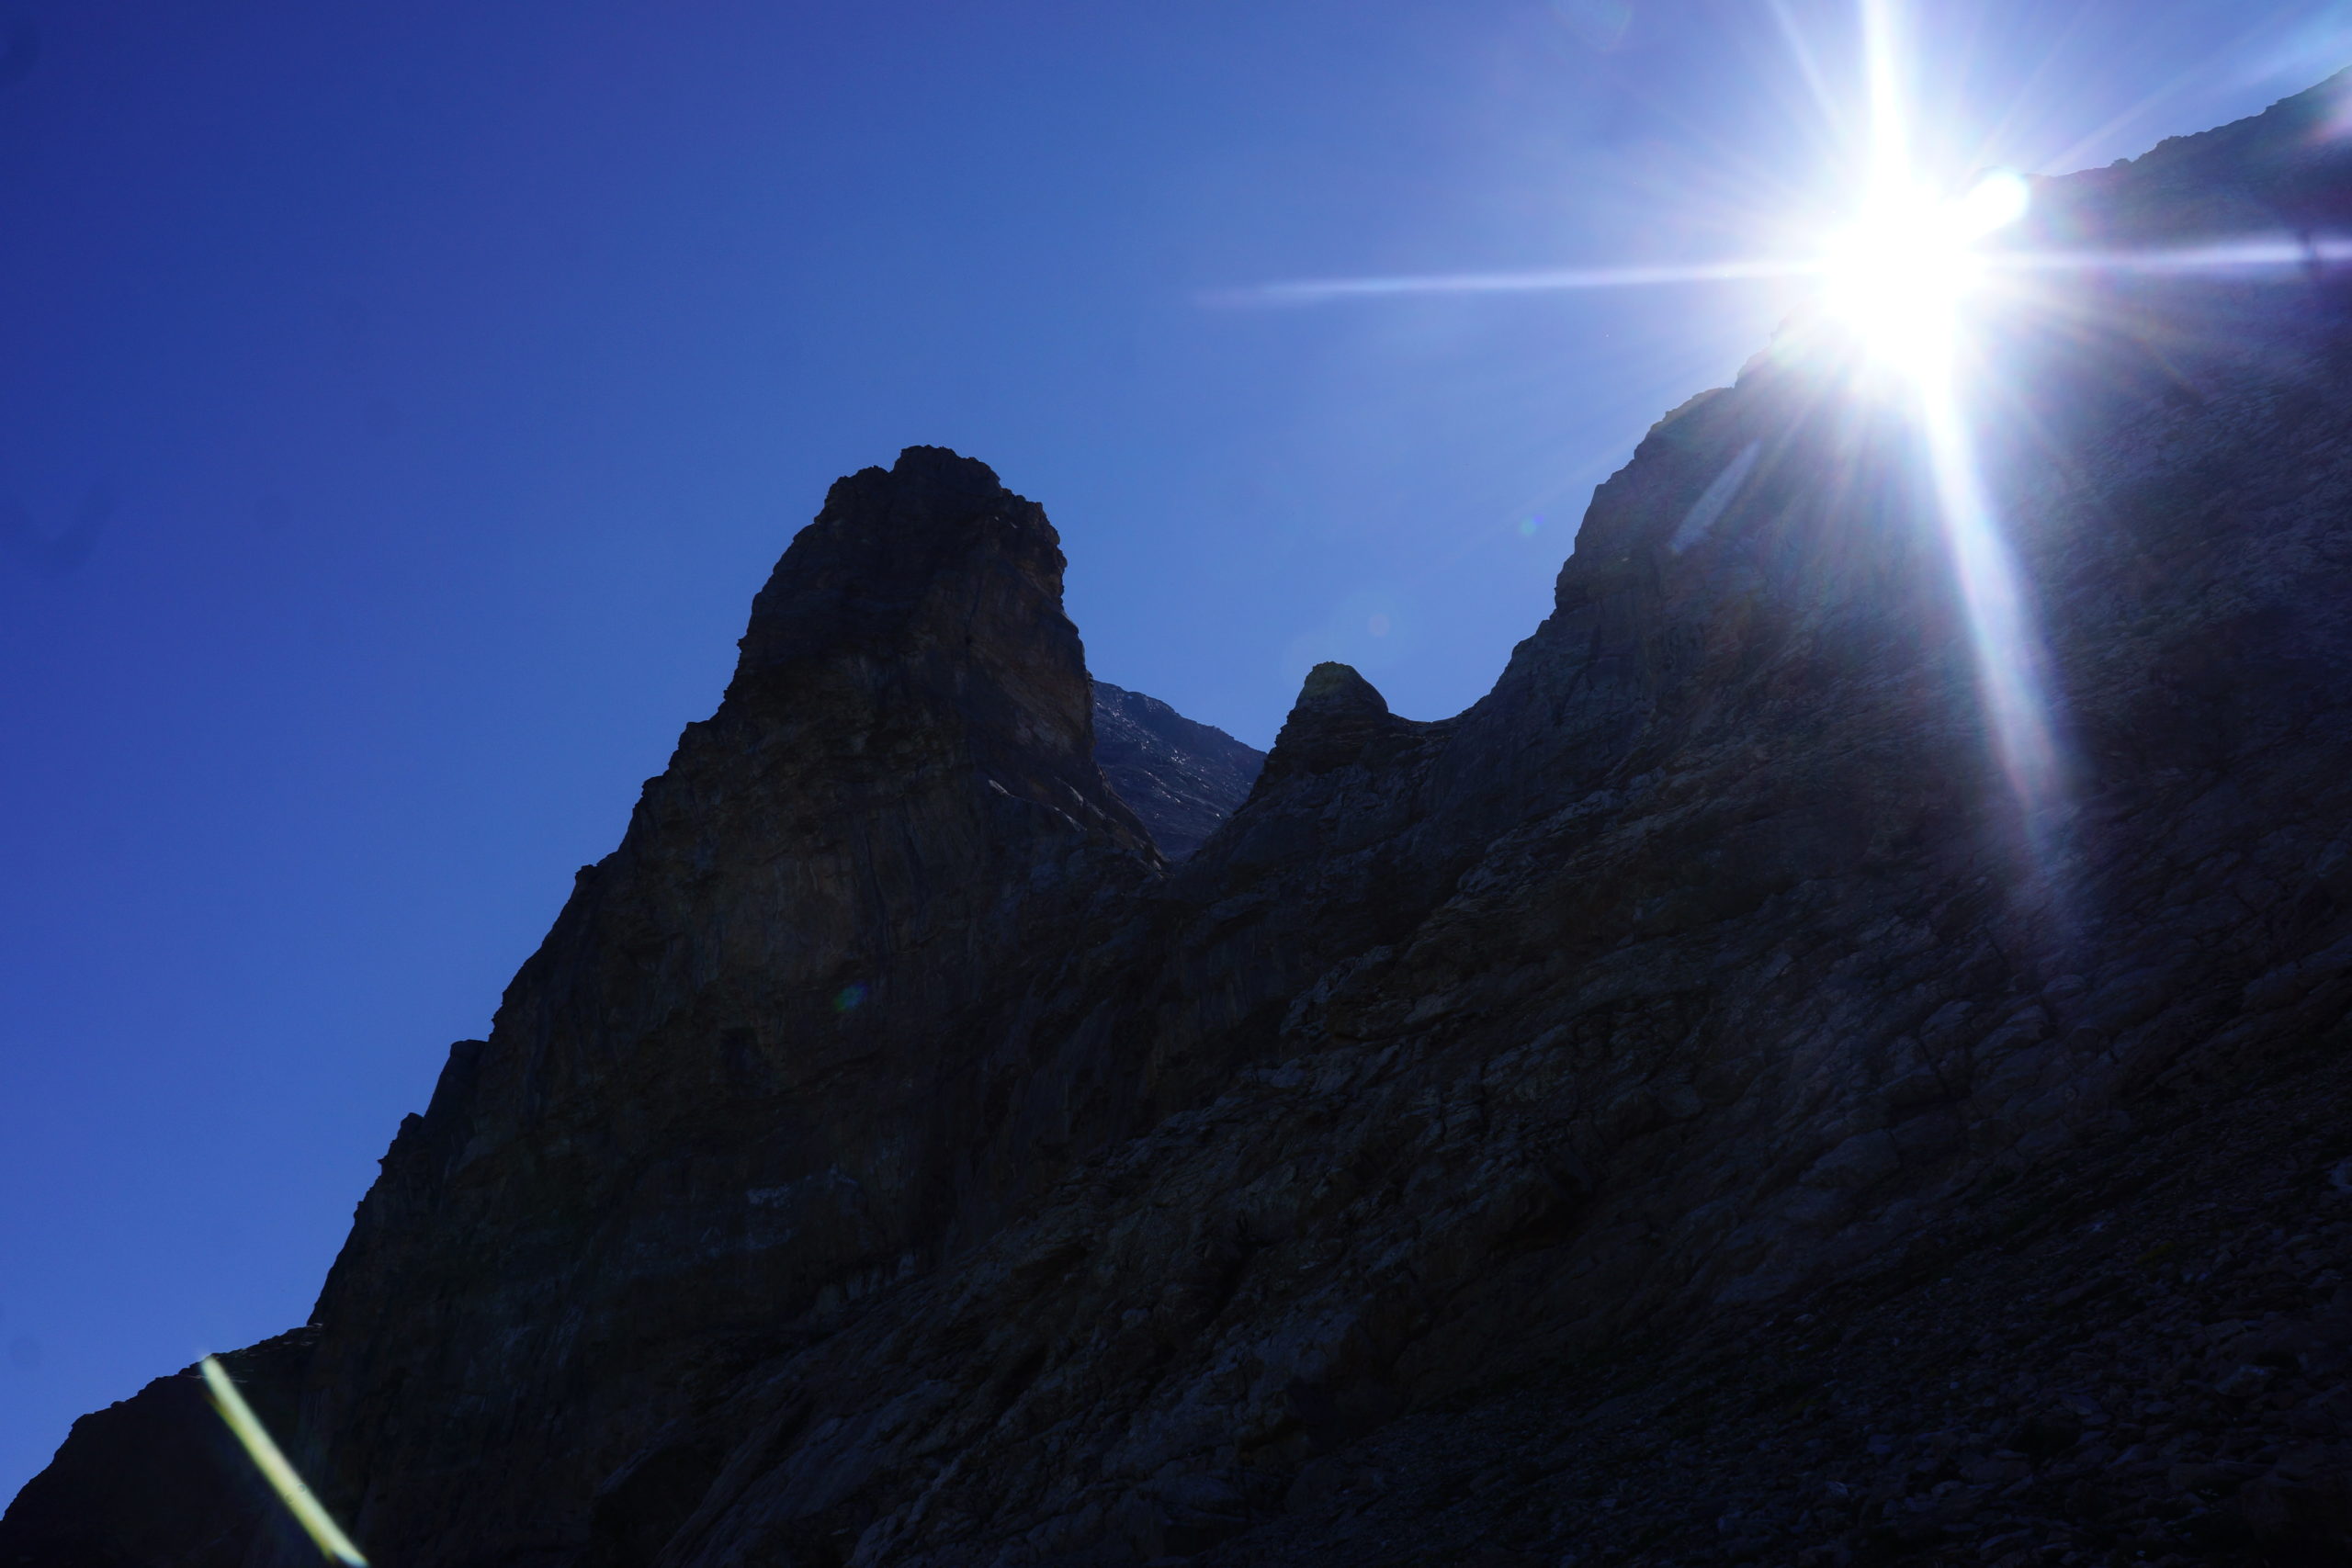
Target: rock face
1683,1108
1180,777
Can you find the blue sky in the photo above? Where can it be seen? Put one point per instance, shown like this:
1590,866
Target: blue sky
399,406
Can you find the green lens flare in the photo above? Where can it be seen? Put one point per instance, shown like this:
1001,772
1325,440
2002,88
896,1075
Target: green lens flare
281,1475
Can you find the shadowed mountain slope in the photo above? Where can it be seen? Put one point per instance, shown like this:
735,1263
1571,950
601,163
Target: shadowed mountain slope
1662,1113
1181,777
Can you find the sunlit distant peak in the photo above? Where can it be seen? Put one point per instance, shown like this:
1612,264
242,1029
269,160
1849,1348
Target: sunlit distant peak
1896,274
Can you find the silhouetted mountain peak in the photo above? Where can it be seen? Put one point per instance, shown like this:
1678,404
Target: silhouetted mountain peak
1680,1108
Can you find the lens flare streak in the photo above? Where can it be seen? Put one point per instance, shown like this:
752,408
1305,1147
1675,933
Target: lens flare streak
1918,261
2002,635
2255,253
2250,255
1310,291
281,1475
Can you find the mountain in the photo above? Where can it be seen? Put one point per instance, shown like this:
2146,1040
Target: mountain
1689,1107
1180,777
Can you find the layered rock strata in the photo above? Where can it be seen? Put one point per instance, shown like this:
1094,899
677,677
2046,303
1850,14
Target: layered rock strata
890,1161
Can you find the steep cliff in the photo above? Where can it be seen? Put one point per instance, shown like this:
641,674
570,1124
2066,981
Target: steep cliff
1682,1107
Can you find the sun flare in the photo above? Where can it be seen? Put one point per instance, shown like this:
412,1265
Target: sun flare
1898,274
1902,278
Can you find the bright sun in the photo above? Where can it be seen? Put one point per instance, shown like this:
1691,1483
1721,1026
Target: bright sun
1898,274
1898,277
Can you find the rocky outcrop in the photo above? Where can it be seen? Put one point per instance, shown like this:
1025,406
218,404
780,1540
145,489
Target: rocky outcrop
1338,719
652,1167
1182,778
890,1161
747,1081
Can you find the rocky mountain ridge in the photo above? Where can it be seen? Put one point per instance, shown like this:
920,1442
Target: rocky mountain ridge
1181,777
1562,1133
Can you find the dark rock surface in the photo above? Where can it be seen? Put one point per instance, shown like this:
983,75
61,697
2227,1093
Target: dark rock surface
1181,777
1676,1111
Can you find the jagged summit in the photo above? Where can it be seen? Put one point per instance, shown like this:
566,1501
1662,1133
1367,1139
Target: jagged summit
929,592
885,537
1640,1119
1338,718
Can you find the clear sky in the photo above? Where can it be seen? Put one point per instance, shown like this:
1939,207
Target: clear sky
400,404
